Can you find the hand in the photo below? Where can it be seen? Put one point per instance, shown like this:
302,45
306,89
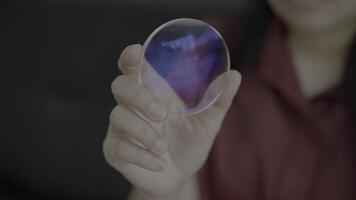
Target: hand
158,153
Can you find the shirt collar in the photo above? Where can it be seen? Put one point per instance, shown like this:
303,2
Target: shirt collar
276,66
276,70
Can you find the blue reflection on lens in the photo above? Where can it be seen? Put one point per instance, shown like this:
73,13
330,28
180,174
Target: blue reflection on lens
189,56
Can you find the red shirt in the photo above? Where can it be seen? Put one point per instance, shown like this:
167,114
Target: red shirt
276,144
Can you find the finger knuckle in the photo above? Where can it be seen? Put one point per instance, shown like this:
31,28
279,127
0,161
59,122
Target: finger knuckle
121,166
138,93
150,135
148,102
139,155
123,54
117,83
105,151
121,149
108,154
115,115
114,84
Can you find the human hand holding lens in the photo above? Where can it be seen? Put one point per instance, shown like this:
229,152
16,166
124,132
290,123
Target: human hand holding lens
160,161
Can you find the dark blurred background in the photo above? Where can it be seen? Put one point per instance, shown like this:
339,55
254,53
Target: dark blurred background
58,59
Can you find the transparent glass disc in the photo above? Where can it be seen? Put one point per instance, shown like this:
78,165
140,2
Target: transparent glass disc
185,63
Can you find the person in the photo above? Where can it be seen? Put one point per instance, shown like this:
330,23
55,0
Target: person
287,135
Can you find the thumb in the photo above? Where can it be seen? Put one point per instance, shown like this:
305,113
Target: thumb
233,84
223,103
129,60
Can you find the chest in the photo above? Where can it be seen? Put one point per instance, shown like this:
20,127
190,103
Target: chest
291,147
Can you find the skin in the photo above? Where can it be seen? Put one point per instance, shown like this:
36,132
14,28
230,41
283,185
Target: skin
320,33
319,37
184,142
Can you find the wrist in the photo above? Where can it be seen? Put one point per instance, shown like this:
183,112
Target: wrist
185,191
137,194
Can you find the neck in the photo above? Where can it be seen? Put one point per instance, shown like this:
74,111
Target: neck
332,42
319,58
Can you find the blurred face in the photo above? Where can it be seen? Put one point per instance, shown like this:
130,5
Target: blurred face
315,15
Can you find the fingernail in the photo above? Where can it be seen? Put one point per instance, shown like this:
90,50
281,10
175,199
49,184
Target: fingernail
160,163
157,111
159,146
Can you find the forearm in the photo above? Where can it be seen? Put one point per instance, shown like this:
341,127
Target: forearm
189,191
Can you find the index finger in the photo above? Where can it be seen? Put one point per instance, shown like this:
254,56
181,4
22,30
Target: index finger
129,59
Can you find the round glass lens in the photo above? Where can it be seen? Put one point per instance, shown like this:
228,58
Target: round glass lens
185,63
